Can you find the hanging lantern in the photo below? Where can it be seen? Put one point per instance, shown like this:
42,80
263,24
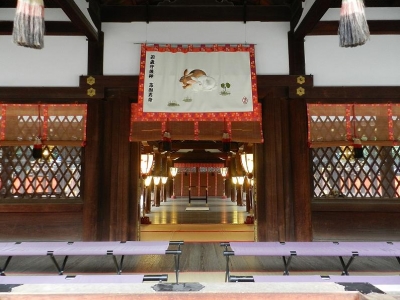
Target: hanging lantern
247,161
224,172
37,151
146,163
226,142
173,171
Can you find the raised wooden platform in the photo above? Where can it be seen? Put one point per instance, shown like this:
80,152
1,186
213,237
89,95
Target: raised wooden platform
198,233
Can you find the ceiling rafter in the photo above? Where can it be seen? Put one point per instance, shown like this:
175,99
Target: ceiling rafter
311,19
78,18
194,13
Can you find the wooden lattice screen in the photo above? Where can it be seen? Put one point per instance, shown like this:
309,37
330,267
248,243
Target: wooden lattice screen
61,130
336,172
61,124
339,124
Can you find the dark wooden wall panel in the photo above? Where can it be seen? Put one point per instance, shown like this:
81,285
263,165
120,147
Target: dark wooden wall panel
353,225
40,226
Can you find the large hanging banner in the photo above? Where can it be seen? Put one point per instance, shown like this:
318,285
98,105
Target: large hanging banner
197,79
197,92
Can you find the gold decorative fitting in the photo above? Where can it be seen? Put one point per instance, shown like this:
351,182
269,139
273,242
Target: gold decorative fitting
301,91
91,92
90,80
301,79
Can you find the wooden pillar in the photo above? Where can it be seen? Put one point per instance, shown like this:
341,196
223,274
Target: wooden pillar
297,63
157,195
260,203
136,185
93,167
299,152
272,164
233,192
148,199
239,194
121,170
248,196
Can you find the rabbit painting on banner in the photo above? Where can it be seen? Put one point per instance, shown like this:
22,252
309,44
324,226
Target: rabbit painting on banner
198,81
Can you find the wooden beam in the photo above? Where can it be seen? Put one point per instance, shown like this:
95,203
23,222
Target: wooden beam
194,13
78,18
363,93
371,3
13,4
313,16
53,28
62,94
376,27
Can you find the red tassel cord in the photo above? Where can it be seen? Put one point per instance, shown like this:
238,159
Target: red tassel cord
29,24
353,27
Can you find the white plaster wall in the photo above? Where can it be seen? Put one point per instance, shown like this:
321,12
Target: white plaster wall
122,42
374,63
59,63
64,59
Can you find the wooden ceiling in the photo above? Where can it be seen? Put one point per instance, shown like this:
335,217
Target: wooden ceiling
201,11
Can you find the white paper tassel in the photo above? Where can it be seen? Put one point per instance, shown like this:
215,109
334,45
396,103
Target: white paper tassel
353,27
29,24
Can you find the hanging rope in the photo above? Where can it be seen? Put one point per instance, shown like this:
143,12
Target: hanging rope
353,27
37,151
357,145
29,24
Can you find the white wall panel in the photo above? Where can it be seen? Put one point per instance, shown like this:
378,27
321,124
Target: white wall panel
375,63
122,42
59,63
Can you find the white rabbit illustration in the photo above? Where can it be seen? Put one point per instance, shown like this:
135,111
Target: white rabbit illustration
204,83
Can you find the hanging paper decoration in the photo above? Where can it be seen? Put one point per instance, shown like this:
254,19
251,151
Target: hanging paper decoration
353,27
29,24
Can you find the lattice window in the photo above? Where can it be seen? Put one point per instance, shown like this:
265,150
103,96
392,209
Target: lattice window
337,174
56,175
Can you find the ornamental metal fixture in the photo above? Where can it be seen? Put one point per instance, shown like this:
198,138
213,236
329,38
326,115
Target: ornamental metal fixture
301,91
91,92
91,80
301,79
